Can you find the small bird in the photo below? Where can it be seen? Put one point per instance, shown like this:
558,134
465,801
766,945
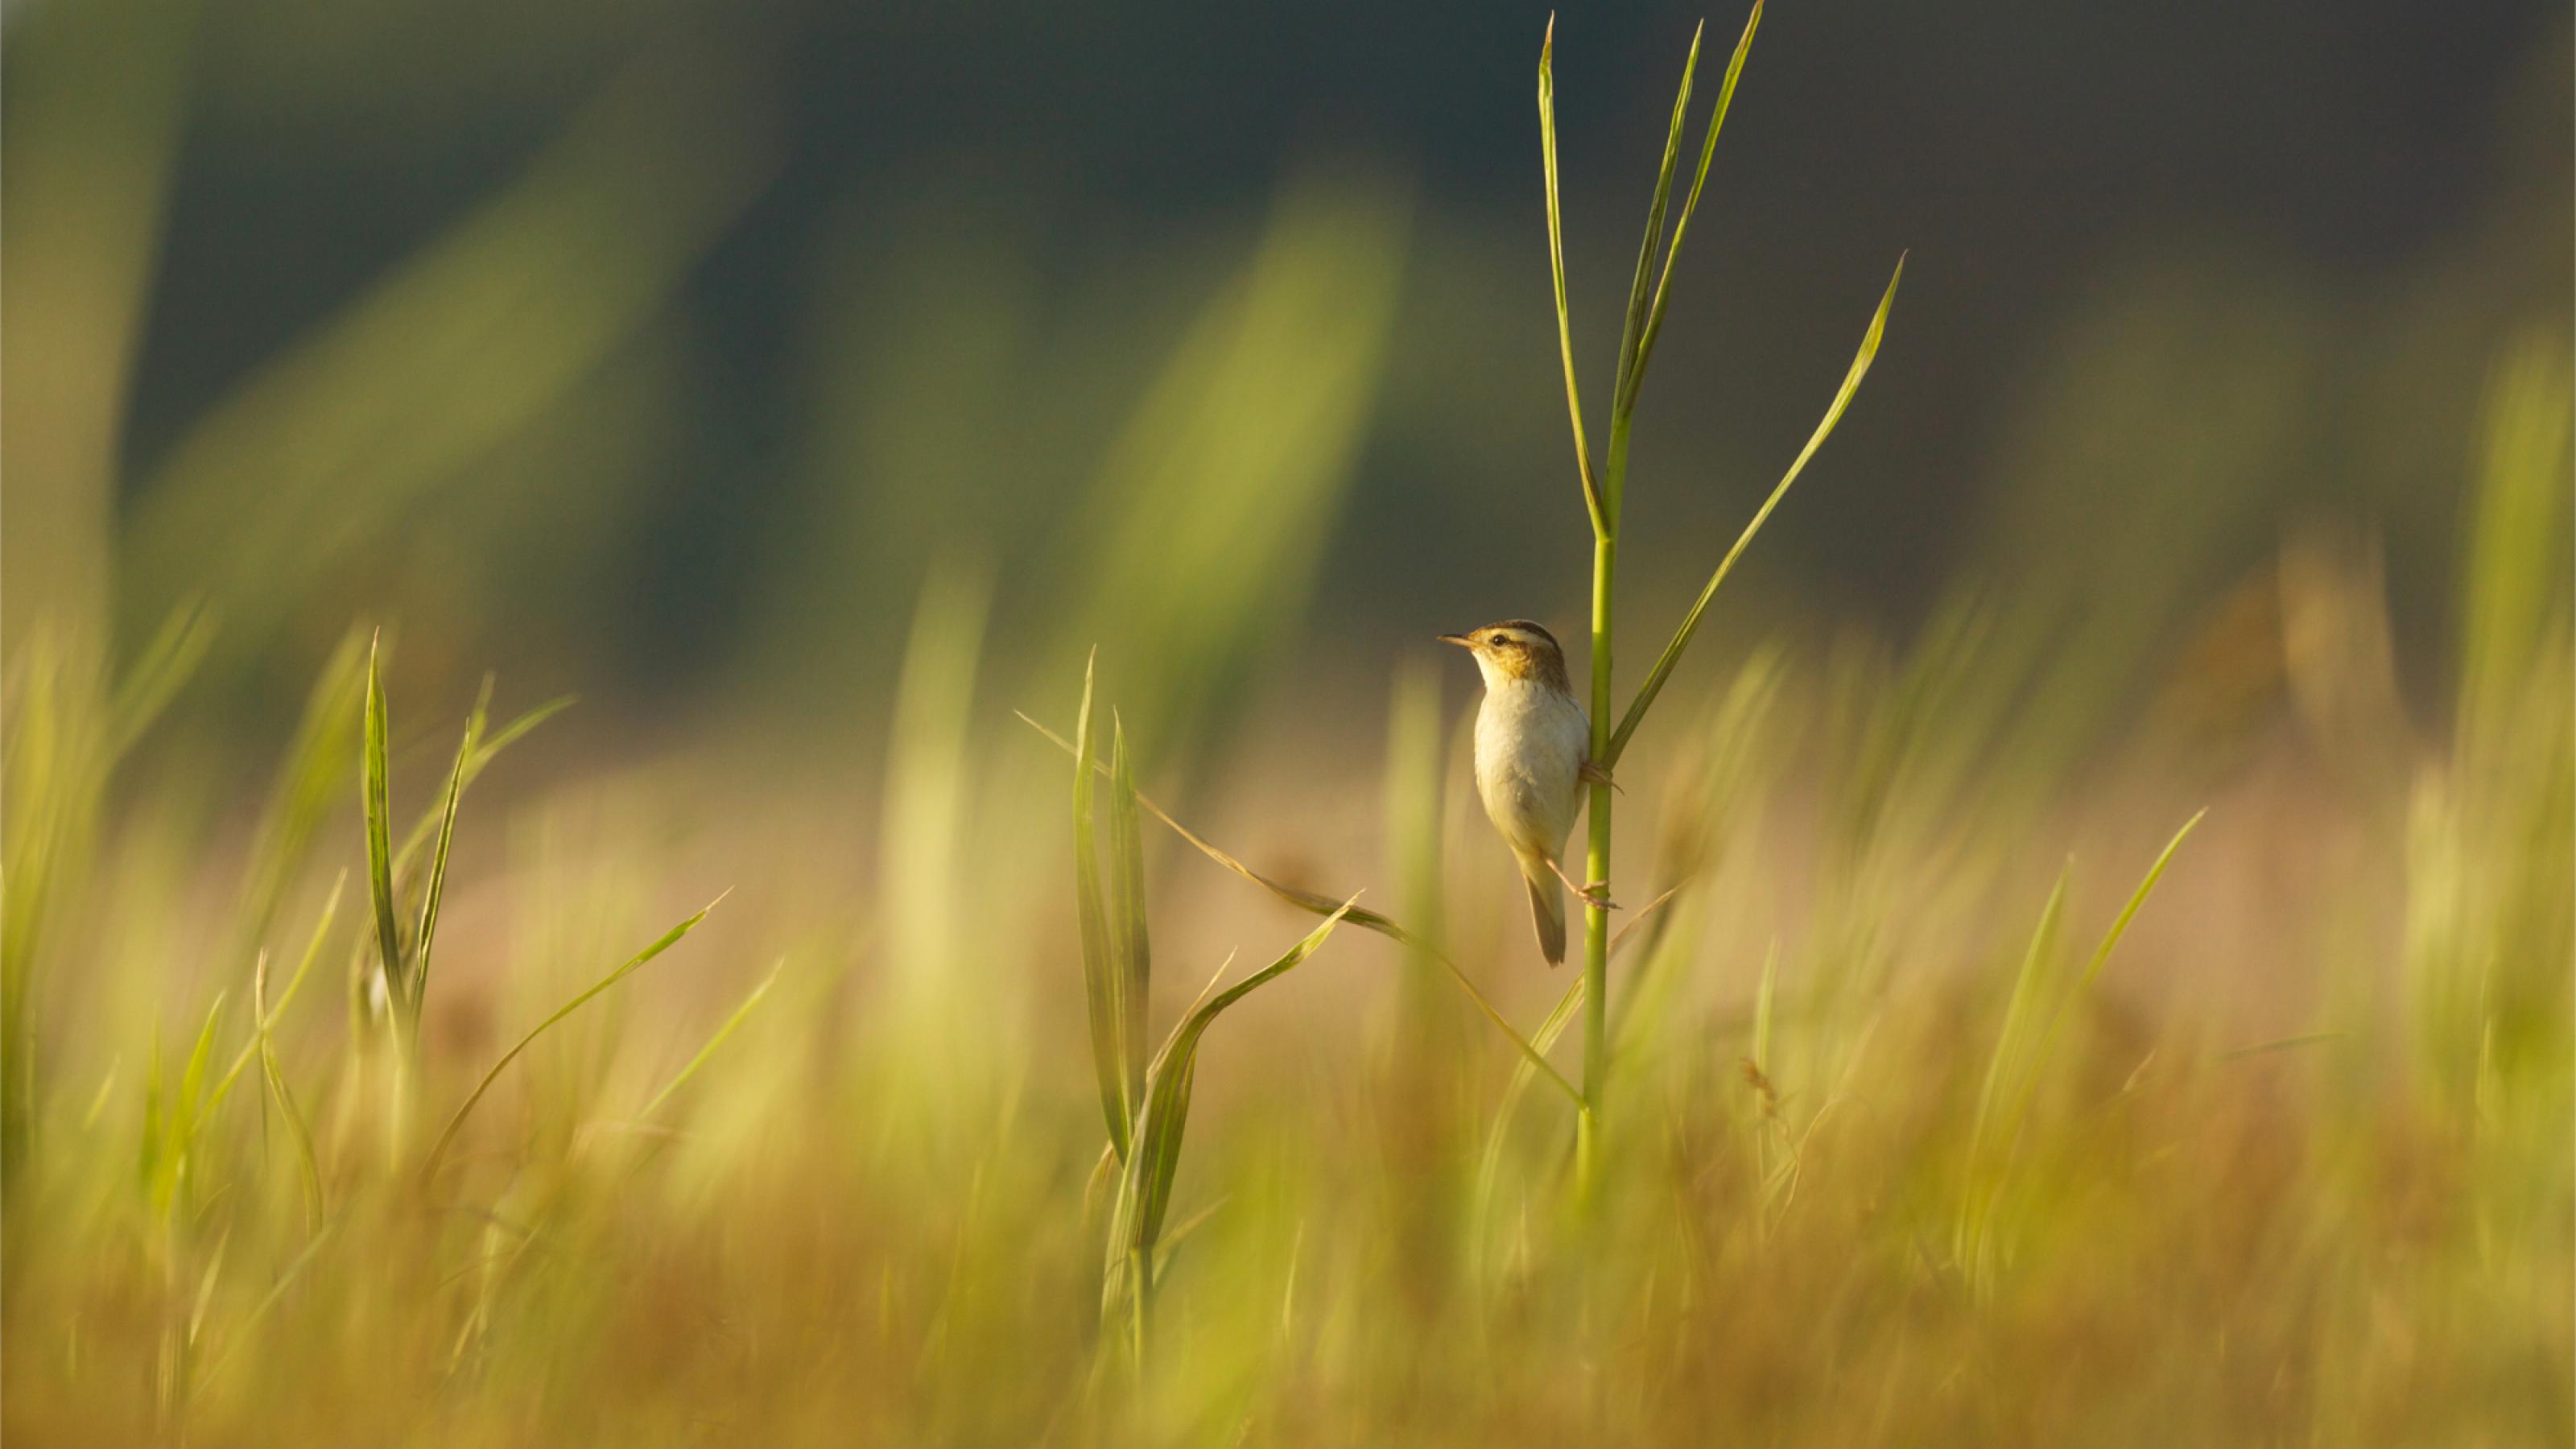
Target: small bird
1532,757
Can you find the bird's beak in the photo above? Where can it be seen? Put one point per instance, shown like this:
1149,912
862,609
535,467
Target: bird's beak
1461,640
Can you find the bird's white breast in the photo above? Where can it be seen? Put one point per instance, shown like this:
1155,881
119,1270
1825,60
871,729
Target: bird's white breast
1531,740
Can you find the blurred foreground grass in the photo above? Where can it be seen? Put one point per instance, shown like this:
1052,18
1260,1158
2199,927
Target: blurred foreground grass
1890,1166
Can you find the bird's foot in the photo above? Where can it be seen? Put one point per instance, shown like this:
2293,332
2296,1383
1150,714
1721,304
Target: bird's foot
1596,894
1592,774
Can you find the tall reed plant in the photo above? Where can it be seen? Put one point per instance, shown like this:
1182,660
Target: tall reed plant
1605,497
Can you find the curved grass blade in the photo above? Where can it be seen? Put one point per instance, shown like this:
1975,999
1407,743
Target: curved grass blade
156,675
1681,225
438,1150
1632,331
1099,973
1131,952
263,1018
307,785
1559,1017
1324,905
259,1310
1987,1181
380,861
1489,1163
1690,622
437,887
1146,1194
296,1127
499,740
740,1014
1592,501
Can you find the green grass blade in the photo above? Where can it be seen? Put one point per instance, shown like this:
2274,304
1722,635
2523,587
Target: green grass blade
1690,622
1156,1160
1987,1185
437,888
1489,1165
1099,972
2020,1011
297,1128
380,860
2120,927
669,938
1324,906
2012,1047
1131,951
1592,502
190,1104
308,784
262,1018
740,1014
156,676
147,1164
1681,224
499,740
285,1280
1632,331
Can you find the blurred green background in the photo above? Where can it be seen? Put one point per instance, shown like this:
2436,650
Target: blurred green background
656,351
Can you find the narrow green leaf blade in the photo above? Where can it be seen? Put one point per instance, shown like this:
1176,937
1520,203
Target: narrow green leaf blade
275,1077
498,740
262,1019
668,939
1320,905
156,675
1632,331
741,1013
1690,203
374,769
1099,973
1690,622
1556,265
437,888
1156,1160
1131,948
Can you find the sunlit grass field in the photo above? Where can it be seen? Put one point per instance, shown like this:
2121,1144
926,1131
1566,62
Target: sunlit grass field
1911,1143
2131,1007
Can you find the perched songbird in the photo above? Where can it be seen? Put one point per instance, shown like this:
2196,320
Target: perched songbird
1532,744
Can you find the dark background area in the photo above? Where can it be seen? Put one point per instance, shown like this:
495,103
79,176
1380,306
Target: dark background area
2363,165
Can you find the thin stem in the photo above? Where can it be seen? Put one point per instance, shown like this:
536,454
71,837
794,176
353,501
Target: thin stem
1596,919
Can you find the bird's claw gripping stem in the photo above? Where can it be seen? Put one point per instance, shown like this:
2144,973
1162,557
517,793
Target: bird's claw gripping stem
1597,893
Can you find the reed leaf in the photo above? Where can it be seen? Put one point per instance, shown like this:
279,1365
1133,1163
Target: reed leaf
436,890
1654,327
1592,501
1145,1194
1100,976
493,744
297,1129
374,770
1131,952
1690,622
1324,906
1633,328
732,1023
438,1150
262,1017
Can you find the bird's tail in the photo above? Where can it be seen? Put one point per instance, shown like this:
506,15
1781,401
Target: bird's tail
1547,909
